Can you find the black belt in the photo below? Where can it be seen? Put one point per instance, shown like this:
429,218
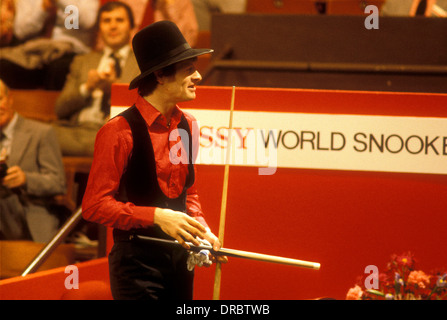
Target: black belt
128,235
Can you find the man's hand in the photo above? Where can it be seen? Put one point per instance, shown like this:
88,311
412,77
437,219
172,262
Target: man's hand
15,177
180,226
101,80
211,238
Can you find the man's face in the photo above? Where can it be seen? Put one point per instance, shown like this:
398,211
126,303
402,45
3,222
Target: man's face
6,110
182,85
114,28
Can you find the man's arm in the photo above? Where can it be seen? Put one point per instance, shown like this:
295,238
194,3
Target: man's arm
46,176
71,100
50,180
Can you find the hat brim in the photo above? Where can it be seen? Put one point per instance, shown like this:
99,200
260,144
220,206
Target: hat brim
185,55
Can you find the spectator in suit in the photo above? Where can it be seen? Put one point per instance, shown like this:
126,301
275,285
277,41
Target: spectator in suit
32,173
84,103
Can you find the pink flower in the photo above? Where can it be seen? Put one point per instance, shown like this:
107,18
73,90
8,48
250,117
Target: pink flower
354,293
418,278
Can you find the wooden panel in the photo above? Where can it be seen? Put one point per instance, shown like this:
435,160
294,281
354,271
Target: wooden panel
16,255
35,104
341,7
335,52
282,6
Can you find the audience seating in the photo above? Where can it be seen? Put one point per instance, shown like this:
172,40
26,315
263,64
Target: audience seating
334,7
203,41
16,255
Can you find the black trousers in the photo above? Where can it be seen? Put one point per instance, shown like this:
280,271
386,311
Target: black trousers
141,270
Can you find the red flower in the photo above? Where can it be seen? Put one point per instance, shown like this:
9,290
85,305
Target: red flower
354,293
405,260
418,278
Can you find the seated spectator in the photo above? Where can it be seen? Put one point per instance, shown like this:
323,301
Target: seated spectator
47,34
428,8
7,13
32,172
204,9
181,12
84,103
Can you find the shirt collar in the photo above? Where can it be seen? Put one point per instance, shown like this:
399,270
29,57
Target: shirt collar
123,52
9,128
153,116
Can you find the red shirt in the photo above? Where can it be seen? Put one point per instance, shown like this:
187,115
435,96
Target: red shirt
113,148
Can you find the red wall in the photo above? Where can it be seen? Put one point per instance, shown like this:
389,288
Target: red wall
344,220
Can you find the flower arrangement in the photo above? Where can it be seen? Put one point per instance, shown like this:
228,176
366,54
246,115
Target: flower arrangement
402,281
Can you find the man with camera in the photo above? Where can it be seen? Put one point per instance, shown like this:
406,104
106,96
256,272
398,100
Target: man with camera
31,174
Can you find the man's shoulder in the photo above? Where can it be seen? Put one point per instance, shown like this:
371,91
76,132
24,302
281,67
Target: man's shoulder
34,124
37,129
89,56
115,125
188,116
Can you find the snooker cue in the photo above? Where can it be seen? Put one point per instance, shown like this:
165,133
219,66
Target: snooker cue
223,208
237,253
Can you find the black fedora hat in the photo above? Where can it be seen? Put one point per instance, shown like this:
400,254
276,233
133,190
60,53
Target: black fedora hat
160,45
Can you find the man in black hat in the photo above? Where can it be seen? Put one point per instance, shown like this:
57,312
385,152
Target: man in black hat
135,186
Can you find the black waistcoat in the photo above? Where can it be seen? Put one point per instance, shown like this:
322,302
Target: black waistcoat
139,183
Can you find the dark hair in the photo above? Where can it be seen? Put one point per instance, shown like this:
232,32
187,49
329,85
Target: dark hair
112,5
148,84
